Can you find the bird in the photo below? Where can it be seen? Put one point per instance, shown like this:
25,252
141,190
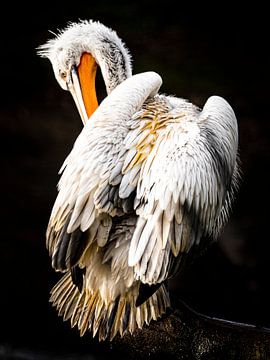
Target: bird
150,179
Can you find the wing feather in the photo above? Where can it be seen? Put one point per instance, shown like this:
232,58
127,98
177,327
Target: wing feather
94,165
184,186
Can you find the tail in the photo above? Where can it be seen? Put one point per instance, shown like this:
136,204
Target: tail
90,312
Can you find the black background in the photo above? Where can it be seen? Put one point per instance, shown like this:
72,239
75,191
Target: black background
198,51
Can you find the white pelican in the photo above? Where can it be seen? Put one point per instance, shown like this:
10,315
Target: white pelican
147,178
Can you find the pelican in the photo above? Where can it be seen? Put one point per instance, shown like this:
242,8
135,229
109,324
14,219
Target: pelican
148,178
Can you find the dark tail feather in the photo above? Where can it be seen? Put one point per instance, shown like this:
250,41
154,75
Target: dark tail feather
145,291
69,248
77,275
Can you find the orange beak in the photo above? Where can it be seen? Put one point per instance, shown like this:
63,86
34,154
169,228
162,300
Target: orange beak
82,86
87,70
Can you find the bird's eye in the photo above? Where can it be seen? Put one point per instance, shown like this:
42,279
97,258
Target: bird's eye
63,75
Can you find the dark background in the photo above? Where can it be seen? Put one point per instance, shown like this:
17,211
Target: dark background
199,52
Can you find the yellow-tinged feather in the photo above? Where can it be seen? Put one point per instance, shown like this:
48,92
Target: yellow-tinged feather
84,318
116,324
78,307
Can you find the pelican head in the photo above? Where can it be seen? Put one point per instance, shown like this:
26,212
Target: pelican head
75,54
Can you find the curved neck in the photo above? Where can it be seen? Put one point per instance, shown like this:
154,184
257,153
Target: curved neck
114,61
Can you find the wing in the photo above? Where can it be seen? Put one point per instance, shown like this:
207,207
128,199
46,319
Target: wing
91,174
185,186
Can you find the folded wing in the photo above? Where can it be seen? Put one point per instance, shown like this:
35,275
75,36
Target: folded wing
185,187
89,186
